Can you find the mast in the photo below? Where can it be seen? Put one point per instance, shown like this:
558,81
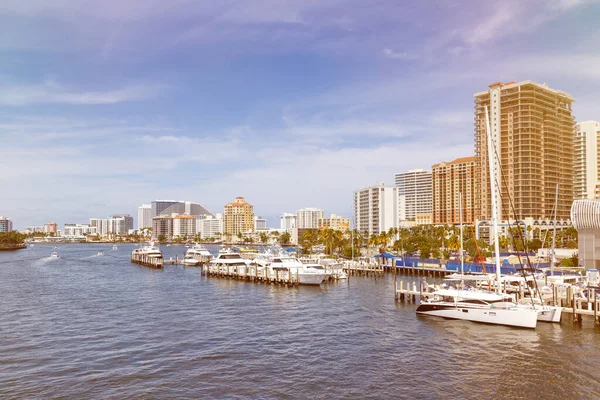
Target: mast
462,257
490,149
553,259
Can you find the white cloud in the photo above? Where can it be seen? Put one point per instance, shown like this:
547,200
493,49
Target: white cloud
52,92
398,55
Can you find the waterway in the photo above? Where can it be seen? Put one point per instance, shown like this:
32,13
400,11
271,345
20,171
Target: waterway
87,326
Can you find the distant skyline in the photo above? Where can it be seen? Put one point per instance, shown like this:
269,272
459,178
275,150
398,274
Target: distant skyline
106,105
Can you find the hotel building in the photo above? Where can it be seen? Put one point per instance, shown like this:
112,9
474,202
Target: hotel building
415,193
376,209
6,224
448,180
184,226
335,222
308,218
587,161
532,128
238,217
210,226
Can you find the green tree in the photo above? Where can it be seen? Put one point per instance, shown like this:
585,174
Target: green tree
162,238
285,238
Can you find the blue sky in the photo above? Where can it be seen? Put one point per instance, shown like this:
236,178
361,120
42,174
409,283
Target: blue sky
105,105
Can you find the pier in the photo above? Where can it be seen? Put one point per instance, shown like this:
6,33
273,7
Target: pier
366,269
251,273
146,261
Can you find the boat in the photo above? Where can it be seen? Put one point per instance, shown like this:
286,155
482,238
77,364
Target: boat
306,274
115,247
198,250
478,305
100,253
187,246
168,245
226,260
189,260
54,255
150,250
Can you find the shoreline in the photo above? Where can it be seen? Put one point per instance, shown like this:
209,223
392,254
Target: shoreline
15,247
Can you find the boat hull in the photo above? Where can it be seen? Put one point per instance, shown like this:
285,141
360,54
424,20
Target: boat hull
515,317
550,314
310,279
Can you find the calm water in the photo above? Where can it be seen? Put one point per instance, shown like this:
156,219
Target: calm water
87,326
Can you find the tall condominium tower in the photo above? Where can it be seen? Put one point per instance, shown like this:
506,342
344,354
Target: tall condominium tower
449,180
415,192
308,218
287,221
238,217
587,160
145,216
532,133
376,209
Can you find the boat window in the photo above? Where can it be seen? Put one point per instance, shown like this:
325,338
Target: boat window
277,260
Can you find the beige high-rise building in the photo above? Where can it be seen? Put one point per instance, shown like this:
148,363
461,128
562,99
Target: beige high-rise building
238,217
449,179
587,160
532,127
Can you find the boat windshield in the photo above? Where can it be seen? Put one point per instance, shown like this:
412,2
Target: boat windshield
229,256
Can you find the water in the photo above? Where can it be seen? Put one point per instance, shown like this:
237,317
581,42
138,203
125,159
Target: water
88,326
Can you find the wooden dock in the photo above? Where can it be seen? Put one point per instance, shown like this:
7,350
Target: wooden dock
353,269
150,262
251,273
577,307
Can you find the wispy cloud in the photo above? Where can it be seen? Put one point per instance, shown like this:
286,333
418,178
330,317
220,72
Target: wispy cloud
389,53
52,92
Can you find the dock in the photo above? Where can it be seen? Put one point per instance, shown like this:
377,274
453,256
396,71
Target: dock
365,269
250,273
150,262
577,307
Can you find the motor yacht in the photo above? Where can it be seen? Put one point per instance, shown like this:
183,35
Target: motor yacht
307,274
226,260
54,255
198,250
100,253
149,250
190,260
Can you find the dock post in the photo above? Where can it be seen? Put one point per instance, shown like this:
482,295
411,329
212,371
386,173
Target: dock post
414,296
596,322
395,290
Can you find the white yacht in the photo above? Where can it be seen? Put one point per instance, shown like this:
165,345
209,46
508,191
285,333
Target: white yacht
307,274
100,253
149,250
54,255
226,260
198,250
190,260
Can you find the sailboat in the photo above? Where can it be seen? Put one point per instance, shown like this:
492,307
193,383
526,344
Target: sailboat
475,305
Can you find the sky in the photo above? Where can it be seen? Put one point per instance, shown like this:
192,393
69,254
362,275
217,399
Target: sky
105,105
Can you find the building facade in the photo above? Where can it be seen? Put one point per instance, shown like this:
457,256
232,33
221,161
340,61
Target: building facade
449,179
415,191
287,221
532,130
210,226
260,224
334,222
145,216
78,231
162,227
6,224
308,218
119,224
587,160
184,226
50,227
585,215
169,207
238,217
376,209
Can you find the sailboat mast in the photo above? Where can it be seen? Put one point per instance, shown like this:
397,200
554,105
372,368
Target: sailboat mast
460,217
490,149
553,259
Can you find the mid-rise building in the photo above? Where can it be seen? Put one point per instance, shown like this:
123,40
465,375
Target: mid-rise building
169,207
162,227
587,160
121,224
238,217
532,131
184,226
260,224
78,231
145,216
308,218
449,179
415,193
210,226
376,209
6,224
50,227
287,221
335,222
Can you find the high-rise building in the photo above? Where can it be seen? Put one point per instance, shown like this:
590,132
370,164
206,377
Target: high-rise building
415,192
335,222
287,221
308,218
532,134
168,207
587,160
238,217
210,226
449,179
260,224
145,216
121,224
78,231
376,209
162,227
6,224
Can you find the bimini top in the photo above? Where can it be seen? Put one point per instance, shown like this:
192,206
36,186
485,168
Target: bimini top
585,214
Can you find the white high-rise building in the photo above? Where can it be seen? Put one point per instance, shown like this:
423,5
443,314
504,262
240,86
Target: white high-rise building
210,226
415,189
145,216
260,224
287,221
184,226
376,209
308,218
587,160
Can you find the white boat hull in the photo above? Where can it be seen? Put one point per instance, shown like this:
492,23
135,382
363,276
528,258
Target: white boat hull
310,279
517,317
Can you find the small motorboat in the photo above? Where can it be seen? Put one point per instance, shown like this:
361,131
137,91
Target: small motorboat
100,253
168,245
189,260
54,255
115,247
